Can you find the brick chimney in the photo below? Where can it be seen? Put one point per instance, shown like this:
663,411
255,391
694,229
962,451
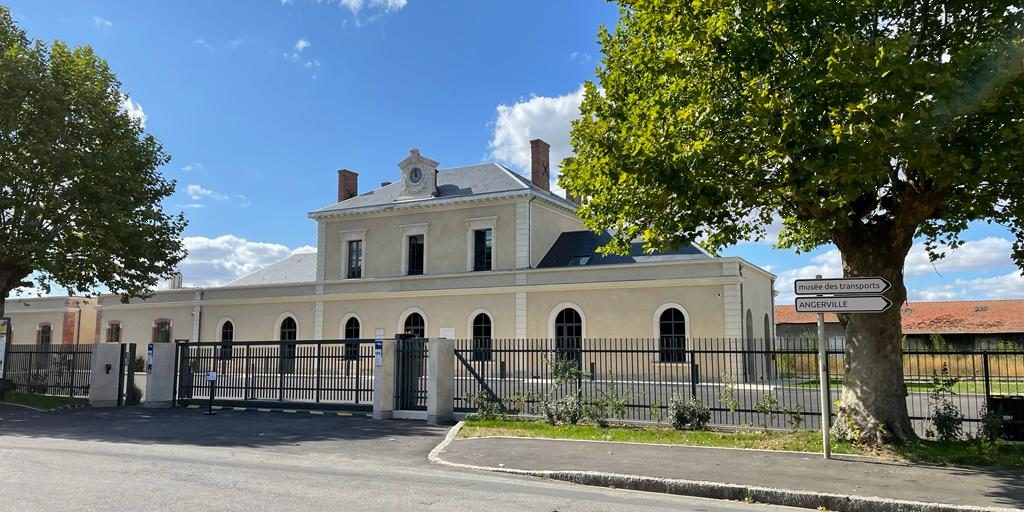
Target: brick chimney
348,184
540,163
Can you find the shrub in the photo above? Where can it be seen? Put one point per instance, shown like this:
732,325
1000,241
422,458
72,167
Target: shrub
992,426
794,416
133,396
766,407
610,404
729,392
559,407
691,414
139,364
947,421
7,385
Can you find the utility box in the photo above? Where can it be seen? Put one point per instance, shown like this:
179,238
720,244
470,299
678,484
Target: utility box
1011,408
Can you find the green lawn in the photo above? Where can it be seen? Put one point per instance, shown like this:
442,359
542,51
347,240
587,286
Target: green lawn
44,402
957,453
962,387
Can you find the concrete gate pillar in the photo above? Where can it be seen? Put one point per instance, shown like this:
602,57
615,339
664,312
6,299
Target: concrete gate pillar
160,375
440,381
105,375
384,380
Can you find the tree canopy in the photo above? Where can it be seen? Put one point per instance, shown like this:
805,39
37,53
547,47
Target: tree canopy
864,123
80,187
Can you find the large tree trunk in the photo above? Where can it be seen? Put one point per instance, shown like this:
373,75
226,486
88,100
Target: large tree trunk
873,407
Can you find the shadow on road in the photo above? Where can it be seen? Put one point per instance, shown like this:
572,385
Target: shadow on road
225,429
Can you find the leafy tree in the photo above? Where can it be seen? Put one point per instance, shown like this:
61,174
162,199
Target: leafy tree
863,123
79,188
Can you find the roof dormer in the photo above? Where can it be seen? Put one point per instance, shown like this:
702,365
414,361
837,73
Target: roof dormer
419,176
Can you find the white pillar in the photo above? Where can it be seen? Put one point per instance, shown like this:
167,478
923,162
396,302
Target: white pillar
440,381
384,380
103,379
160,375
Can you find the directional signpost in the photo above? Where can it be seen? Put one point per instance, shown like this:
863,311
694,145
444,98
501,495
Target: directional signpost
843,295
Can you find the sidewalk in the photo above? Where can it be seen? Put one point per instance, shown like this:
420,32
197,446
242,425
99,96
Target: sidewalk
795,479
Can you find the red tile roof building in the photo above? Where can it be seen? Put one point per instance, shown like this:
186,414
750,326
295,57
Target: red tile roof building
995,320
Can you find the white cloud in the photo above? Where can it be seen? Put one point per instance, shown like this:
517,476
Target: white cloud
216,261
990,253
387,5
202,42
580,56
826,264
538,117
286,2
198,193
301,44
101,23
1006,286
196,166
134,110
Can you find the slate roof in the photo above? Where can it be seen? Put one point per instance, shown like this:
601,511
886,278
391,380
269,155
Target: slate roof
296,268
940,317
576,244
472,180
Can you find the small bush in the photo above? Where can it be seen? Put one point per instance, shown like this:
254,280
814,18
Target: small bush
766,407
947,421
133,396
992,426
610,404
692,414
729,392
794,416
7,385
139,364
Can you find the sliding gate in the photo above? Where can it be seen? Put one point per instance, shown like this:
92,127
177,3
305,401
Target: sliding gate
335,374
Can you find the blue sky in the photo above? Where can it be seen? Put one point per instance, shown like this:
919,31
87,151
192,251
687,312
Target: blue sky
260,102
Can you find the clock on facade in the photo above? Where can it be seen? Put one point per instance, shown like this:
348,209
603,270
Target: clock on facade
415,175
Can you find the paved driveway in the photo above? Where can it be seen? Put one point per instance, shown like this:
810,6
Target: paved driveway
139,460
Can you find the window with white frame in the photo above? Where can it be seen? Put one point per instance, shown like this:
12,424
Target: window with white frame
414,249
480,244
353,253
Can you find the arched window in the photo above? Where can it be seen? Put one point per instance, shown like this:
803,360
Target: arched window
289,331
415,325
352,333
568,335
672,336
482,337
45,334
227,335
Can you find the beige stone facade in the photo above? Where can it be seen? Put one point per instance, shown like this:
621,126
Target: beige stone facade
56,320
540,264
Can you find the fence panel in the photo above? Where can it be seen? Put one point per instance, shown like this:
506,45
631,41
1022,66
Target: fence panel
328,373
59,370
744,382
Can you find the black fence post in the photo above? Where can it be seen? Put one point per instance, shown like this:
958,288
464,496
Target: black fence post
694,376
826,415
987,375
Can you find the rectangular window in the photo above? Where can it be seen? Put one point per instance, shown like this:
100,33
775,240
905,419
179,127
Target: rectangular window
415,255
162,332
115,333
482,244
355,259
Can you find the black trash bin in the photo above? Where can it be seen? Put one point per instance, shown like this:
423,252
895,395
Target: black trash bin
1011,408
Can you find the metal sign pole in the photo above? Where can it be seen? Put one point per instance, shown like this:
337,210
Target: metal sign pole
826,409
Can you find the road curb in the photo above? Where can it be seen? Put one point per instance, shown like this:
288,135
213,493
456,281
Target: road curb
715,490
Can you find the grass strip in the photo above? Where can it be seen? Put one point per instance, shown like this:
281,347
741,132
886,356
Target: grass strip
969,453
44,402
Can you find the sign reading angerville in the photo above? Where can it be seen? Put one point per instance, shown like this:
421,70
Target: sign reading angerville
854,304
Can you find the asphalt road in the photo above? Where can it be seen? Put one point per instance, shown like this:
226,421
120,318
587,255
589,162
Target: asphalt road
141,460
